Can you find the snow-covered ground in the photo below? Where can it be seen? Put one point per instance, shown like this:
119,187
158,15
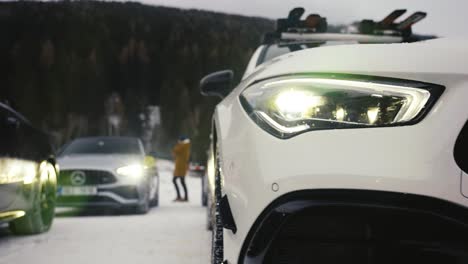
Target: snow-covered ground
170,233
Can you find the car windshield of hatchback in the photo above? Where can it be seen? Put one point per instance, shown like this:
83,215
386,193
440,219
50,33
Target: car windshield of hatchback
103,146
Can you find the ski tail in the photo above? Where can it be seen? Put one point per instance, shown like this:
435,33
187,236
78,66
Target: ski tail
388,20
411,20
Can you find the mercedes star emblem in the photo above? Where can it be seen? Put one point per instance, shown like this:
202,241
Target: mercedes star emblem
77,178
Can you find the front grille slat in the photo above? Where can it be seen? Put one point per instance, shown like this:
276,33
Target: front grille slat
84,199
367,235
92,177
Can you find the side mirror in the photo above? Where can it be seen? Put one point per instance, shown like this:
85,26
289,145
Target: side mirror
12,122
217,83
149,162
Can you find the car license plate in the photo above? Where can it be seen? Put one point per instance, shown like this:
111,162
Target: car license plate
81,190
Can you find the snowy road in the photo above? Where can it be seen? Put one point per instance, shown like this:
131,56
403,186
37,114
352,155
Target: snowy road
170,233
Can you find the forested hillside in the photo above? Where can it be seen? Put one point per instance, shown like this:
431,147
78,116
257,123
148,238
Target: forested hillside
60,61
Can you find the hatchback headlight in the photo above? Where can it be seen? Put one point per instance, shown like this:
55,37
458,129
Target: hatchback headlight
291,105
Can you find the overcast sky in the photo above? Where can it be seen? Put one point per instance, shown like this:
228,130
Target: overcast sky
445,17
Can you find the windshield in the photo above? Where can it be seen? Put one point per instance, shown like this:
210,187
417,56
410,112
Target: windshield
103,146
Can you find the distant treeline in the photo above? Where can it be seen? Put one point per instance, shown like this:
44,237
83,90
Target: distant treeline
60,61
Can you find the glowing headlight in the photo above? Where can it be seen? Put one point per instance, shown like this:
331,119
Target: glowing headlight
17,170
134,170
291,105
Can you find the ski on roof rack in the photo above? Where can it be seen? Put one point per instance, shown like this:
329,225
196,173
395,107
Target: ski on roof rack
388,26
388,20
313,23
385,31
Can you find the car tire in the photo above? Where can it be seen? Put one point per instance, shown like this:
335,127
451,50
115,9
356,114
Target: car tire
155,200
144,207
217,240
40,217
209,215
204,198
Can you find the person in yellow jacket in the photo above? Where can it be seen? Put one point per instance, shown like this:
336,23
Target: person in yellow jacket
181,155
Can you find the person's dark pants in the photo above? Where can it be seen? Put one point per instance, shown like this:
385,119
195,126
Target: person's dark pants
182,181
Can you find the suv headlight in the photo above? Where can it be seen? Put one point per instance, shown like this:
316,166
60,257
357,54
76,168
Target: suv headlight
290,105
17,170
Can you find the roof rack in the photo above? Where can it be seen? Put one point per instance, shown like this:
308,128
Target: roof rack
323,37
314,28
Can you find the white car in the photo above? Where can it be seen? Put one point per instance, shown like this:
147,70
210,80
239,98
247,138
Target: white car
107,172
293,34
344,154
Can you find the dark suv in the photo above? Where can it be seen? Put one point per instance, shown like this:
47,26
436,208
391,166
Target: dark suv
27,175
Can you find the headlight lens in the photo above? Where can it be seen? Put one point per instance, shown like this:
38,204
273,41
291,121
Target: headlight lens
134,170
17,170
291,105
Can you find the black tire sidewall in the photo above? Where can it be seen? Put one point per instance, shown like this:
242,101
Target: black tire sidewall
204,198
32,222
209,214
217,239
155,201
144,207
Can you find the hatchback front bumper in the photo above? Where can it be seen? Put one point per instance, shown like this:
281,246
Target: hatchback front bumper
350,226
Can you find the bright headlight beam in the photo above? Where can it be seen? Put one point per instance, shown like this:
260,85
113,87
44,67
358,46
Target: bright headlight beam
14,170
416,98
293,104
286,106
133,170
30,172
372,114
340,114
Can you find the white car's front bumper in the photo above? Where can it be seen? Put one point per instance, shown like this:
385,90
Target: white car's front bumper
111,190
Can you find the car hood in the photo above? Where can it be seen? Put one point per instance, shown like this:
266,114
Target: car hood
421,60
97,162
